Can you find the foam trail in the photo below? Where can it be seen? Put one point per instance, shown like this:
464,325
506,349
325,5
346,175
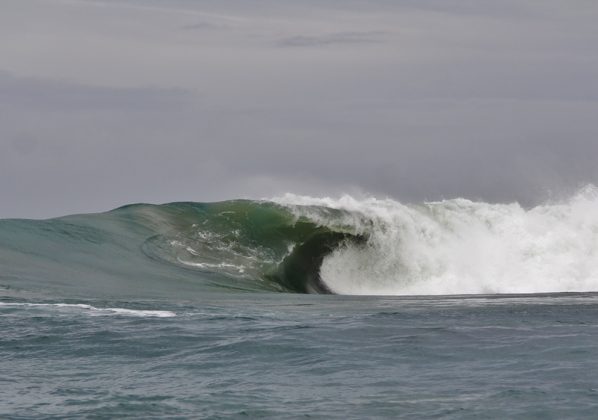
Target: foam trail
91,310
460,246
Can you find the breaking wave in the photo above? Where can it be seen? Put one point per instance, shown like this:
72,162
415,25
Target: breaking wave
465,247
315,245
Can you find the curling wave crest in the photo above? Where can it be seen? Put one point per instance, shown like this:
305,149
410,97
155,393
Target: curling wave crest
462,247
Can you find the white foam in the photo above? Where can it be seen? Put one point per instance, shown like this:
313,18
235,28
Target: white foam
240,269
460,246
92,310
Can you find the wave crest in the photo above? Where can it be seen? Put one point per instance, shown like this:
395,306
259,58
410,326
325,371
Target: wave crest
464,247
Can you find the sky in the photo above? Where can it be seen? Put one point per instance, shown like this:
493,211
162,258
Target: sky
106,102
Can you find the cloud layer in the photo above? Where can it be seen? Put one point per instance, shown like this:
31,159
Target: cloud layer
104,103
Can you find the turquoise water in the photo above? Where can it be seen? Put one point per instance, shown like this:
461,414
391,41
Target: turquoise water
199,310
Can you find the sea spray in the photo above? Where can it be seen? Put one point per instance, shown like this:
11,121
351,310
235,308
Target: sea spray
461,247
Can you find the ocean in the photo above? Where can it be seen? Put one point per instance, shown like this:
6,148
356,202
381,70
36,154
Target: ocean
301,307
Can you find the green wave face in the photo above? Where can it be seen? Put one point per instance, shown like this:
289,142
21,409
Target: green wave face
181,248
251,242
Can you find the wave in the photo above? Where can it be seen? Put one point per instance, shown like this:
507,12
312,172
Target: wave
252,241
314,245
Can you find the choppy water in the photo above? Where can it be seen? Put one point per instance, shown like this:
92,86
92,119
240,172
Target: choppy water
287,356
192,310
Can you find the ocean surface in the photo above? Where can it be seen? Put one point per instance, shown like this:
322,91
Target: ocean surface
303,307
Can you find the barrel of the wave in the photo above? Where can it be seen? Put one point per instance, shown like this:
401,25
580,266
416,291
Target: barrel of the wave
300,270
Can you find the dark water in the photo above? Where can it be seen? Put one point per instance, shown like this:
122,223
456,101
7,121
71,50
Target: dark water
137,313
303,356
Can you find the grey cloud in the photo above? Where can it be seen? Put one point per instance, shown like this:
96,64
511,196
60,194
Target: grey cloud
370,37
468,101
33,93
204,26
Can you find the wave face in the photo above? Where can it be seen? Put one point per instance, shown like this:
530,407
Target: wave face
310,245
263,243
175,249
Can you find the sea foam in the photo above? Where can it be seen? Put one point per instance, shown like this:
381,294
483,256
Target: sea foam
90,310
460,246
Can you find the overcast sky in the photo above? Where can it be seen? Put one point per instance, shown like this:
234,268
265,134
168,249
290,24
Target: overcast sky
104,103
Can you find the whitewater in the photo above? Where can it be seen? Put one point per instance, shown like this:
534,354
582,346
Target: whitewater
461,246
